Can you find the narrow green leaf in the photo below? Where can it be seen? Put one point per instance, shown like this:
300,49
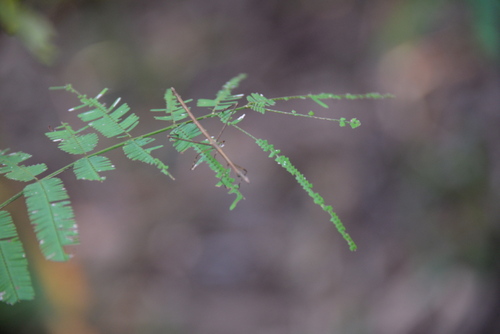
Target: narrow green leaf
15,281
318,101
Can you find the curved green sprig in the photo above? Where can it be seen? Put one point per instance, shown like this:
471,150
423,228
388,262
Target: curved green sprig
284,162
260,103
328,96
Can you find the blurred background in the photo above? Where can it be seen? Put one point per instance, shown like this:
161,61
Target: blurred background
415,185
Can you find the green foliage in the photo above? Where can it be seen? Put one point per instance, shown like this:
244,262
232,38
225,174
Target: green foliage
259,102
48,204
284,162
15,282
52,216
224,98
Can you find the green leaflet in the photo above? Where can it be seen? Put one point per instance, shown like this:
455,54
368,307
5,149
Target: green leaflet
134,150
183,135
110,123
71,142
88,168
9,165
224,98
15,281
259,102
175,113
52,216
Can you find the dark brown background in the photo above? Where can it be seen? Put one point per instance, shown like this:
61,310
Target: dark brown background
417,185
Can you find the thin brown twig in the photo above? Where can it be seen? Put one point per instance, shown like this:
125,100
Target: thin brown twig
210,139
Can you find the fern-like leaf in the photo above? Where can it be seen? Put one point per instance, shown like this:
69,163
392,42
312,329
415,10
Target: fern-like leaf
88,168
15,281
174,111
9,165
72,142
108,122
134,150
224,98
183,135
52,216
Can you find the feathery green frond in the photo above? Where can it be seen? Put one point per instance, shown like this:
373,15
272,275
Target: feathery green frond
259,102
9,165
221,172
224,98
88,168
109,122
134,150
52,216
175,112
71,142
183,135
284,162
15,281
